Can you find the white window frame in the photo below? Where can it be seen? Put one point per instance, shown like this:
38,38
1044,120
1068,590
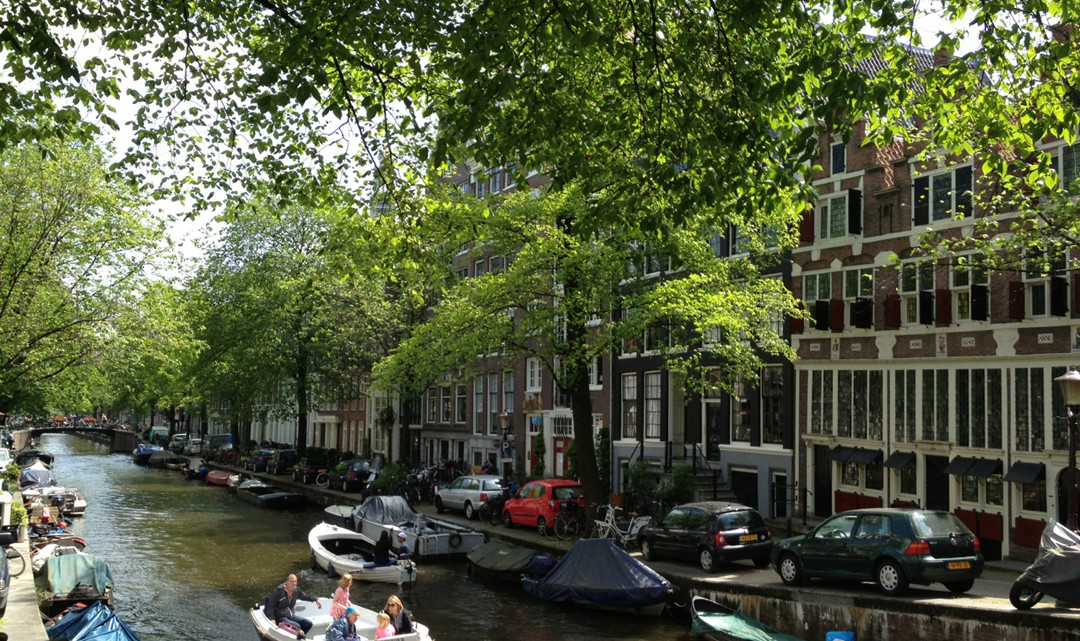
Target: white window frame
961,279
534,375
832,158
826,210
923,280
653,395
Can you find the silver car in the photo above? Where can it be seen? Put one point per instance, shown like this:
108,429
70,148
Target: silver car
468,493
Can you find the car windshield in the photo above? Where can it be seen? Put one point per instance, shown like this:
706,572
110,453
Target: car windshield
937,524
567,493
740,519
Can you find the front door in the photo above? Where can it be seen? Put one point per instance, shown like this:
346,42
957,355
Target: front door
936,488
822,481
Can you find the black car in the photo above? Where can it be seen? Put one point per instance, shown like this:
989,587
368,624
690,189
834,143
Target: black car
353,476
709,532
282,461
259,459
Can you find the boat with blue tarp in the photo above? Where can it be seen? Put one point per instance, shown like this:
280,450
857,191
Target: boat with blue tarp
95,622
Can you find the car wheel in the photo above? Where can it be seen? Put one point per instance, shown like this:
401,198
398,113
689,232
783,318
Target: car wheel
346,486
1022,597
706,560
646,550
507,521
960,587
541,525
891,578
438,505
761,561
470,513
791,572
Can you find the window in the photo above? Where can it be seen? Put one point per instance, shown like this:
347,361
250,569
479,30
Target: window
969,290
432,405
817,287
1030,410
772,412
974,489
533,375
478,405
1068,168
460,409
978,401
1046,289
652,405
508,392
596,374
917,293
495,264
739,241
839,158
740,412
1034,495
715,419
629,406
562,397
446,401
821,402
909,478
942,196
859,295
562,426
478,267
935,405
860,397
832,217
493,402
906,413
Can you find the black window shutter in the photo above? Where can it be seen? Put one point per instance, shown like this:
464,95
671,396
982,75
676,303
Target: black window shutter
962,184
1059,296
980,302
926,307
821,315
862,311
854,211
921,200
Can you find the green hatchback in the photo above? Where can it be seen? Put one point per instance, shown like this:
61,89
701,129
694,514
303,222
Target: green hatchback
893,547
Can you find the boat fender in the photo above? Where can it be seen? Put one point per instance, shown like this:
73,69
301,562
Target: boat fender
455,540
314,563
330,571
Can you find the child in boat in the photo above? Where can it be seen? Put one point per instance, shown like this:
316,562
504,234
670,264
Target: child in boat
341,597
385,629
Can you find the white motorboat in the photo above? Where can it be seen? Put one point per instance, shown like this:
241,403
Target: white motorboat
427,537
338,550
320,617
67,500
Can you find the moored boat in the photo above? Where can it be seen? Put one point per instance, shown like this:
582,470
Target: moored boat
427,537
717,622
37,474
320,617
195,468
338,550
75,578
95,621
218,477
506,561
340,515
142,452
67,500
599,574
163,458
259,493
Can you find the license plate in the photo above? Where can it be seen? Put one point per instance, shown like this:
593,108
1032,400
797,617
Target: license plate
747,538
959,565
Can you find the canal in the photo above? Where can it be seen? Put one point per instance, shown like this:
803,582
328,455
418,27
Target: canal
190,560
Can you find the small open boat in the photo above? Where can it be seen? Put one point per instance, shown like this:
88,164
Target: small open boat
338,550
320,617
717,622
427,537
257,492
339,515
75,578
506,561
218,477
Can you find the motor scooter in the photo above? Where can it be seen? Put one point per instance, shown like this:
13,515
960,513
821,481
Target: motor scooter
1055,571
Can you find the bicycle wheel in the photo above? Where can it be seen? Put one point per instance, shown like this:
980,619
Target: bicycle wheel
567,527
16,561
322,480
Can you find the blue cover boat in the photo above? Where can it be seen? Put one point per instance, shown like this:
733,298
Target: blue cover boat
94,623
143,451
597,573
502,560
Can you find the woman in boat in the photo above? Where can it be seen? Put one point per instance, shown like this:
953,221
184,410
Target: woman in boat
341,597
399,616
382,549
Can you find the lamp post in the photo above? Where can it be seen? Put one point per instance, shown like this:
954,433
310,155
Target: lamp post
1070,387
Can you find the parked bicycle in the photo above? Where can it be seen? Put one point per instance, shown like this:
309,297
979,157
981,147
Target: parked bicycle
568,523
491,510
608,527
16,561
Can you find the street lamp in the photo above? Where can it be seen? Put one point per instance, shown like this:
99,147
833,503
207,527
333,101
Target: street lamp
1070,387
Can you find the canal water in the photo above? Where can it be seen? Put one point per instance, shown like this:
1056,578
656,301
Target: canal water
189,561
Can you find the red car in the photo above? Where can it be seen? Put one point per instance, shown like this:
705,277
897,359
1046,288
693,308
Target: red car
538,502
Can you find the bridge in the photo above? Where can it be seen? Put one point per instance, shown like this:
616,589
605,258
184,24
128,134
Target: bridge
119,440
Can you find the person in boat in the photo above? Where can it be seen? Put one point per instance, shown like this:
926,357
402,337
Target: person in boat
385,628
344,628
382,549
284,599
341,597
403,550
400,617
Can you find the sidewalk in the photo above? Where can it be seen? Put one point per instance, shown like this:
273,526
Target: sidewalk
22,619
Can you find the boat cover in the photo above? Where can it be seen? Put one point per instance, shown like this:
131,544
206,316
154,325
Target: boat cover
388,510
597,572
728,624
64,572
1056,569
37,475
503,557
94,623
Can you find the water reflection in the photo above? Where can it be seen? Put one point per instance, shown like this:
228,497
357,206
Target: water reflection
190,560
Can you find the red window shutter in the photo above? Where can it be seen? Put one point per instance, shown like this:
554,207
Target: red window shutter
797,325
943,302
892,311
806,225
1016,300
836,315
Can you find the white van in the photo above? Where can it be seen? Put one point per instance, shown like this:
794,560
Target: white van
177,443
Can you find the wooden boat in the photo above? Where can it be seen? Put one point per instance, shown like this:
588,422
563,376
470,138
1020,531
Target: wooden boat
320,617
74,578
257,492
218,477
717,622
598,574
506,561
427,537
338,550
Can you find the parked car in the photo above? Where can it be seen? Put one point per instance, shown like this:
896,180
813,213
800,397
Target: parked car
281,461
259,459
893,547
709,532
538,502
317,461
177,443
218,447
195,446
353,475
468,493
5,573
